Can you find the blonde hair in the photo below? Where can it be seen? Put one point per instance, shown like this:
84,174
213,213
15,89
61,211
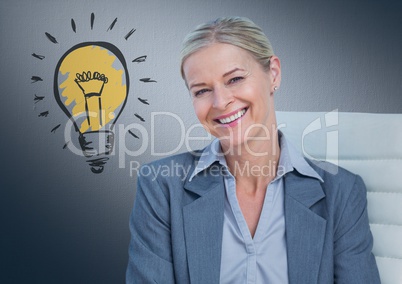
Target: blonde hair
237,31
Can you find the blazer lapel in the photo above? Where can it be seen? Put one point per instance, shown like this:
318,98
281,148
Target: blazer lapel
203,225
305,230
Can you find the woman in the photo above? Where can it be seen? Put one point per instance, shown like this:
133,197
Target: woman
250,209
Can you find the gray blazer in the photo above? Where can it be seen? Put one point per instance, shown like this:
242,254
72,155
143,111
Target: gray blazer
176,226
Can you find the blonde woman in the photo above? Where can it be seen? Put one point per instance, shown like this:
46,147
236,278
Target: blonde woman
251,209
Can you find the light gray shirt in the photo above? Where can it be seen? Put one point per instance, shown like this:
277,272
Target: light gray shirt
262,259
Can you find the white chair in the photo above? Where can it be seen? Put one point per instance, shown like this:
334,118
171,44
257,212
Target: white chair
369,145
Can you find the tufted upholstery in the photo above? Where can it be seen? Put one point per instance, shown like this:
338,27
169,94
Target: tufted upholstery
369,145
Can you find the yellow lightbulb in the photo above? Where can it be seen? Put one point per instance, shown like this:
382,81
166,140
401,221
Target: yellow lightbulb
91,85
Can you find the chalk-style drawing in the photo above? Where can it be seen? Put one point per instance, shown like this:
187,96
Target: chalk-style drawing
147,80
41,57
73,26
65,145
135,136
97,165
51,38
139,117
38,98
36,79
44,114
91,85
129,34
112,25
140,59
92,20
144,101
55,128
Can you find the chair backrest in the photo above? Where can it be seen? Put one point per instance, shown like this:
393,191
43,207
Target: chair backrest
369,145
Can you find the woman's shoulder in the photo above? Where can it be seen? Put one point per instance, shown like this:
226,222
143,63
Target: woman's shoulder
181,159
337,180
173,168
332,173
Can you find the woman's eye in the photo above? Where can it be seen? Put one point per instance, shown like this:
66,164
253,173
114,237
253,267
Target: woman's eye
235,79
200,92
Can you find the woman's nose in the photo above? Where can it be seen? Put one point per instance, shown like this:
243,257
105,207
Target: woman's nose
222,98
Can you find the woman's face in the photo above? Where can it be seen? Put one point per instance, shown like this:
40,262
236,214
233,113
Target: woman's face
232,94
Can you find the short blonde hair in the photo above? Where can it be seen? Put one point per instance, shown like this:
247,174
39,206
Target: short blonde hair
237,31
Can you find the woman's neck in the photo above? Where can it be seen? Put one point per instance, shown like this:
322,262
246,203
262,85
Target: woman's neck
255,162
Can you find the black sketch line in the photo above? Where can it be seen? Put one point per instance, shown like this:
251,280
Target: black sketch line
144,101
44,114
100,110
65,145
88,76
97,165
55,128
129,34
92,20
38,98
112,25
139,117
41,57
51,38
147,80
135,136
73,25
85,144
36,79
140,59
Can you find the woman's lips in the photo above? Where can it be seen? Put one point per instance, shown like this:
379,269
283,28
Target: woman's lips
229,118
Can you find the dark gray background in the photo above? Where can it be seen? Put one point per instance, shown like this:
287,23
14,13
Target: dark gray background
62,224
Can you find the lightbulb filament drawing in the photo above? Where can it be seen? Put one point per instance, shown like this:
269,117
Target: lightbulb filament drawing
91,86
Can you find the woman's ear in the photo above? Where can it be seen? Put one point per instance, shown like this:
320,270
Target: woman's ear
275,70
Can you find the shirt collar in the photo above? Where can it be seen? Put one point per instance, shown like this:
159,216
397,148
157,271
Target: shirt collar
212,153
290,159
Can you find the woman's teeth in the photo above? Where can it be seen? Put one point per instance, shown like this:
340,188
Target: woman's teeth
232,117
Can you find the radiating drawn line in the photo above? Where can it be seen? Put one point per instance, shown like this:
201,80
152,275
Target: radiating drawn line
139,117
65,145
73,25
55,128
36,79
135,136
92,20
44,114
51,38
140,59
144,101
147,80
112,25
38,98
41,57
129,34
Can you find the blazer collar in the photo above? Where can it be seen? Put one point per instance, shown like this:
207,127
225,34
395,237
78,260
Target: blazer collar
203,225
305,230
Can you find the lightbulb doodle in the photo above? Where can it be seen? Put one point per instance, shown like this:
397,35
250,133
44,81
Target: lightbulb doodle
91,85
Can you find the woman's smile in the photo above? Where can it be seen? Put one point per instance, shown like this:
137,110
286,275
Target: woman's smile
232,118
